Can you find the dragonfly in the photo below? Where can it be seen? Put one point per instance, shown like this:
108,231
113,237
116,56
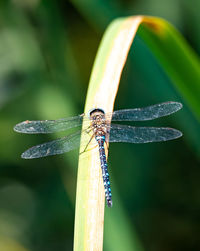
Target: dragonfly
98,126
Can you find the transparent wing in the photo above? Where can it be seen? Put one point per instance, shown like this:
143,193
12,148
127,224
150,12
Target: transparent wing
48,126
58,146
130,134
147,113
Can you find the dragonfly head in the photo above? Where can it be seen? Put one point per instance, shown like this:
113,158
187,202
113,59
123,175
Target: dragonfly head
97,115
95,110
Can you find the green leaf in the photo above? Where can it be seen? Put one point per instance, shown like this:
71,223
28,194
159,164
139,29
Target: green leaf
182,67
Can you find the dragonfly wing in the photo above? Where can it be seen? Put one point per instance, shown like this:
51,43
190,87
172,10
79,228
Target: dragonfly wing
147,113
48,126
54,147
130,134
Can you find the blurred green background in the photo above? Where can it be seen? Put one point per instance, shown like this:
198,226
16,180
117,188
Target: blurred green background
47,49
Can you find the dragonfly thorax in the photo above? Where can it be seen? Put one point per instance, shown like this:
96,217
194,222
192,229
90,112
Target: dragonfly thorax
98,122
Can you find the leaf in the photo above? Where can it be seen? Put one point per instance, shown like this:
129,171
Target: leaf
181,65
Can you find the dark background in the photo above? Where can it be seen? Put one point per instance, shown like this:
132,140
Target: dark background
47,49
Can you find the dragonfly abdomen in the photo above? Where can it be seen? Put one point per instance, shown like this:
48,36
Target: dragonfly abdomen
104,168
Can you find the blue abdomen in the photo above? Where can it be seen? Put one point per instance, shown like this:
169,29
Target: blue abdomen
104,168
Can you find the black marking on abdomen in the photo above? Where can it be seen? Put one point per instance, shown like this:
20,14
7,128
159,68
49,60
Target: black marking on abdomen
104,168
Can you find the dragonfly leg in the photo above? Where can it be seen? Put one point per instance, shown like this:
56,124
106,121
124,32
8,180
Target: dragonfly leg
87,144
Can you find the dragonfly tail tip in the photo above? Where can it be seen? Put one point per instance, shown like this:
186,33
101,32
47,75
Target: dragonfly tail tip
109,203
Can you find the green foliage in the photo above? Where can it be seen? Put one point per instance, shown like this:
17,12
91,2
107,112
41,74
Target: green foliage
47,49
